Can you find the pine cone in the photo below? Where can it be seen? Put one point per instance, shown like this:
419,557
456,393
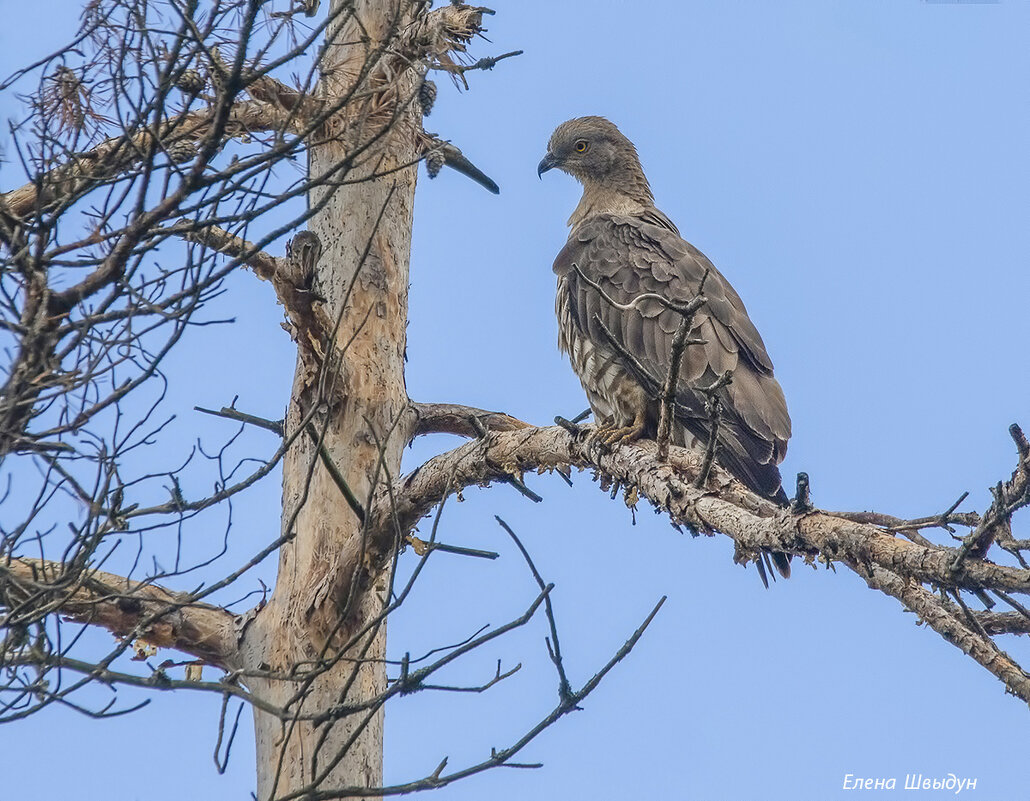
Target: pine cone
182,151
434,163
191,82
427,97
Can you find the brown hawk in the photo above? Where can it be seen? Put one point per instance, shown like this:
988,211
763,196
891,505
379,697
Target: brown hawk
623,258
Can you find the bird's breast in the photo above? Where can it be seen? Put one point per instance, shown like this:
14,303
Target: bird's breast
609,386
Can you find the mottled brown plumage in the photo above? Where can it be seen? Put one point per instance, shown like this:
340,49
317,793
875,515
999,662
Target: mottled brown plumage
625,246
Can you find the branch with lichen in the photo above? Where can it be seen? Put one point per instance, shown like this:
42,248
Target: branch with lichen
464,421
290,275
33,588
895,566
108,161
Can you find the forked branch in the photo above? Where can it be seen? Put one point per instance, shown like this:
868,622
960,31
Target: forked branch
896,566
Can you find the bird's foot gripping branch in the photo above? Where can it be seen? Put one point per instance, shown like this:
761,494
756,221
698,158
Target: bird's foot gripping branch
952,589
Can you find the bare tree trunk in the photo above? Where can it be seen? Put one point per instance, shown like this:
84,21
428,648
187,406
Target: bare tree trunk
358,394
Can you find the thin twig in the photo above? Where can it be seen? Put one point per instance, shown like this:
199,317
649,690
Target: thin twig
230,413
714,407
335,473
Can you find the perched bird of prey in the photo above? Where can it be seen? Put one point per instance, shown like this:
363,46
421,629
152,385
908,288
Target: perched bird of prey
621,277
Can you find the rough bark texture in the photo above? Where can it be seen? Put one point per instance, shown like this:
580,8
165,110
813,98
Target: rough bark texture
310,660
358,394
723,505
887,562
124,607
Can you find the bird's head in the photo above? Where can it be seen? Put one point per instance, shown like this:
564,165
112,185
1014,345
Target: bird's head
597,154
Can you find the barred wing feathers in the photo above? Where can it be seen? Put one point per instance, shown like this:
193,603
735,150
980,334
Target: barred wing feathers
629,256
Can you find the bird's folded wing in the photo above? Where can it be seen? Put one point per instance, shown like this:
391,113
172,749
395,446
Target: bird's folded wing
626,258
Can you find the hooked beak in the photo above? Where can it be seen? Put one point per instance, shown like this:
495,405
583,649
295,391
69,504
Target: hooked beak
546,163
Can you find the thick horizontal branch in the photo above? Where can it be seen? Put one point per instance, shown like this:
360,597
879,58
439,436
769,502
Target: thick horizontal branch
724,505
497,456
893,565
124,607
117,155
452,418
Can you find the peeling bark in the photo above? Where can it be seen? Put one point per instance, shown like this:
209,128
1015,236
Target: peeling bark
887,562
124,607
358,398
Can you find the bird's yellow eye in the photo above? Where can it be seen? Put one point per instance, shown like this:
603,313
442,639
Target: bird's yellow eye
581,146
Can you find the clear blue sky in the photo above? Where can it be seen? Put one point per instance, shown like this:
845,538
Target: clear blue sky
859,170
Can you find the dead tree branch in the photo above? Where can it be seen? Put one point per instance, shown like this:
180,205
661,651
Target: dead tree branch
126,608
452,418
895,566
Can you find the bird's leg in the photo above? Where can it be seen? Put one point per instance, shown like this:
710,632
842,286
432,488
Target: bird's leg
602,427
631,433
